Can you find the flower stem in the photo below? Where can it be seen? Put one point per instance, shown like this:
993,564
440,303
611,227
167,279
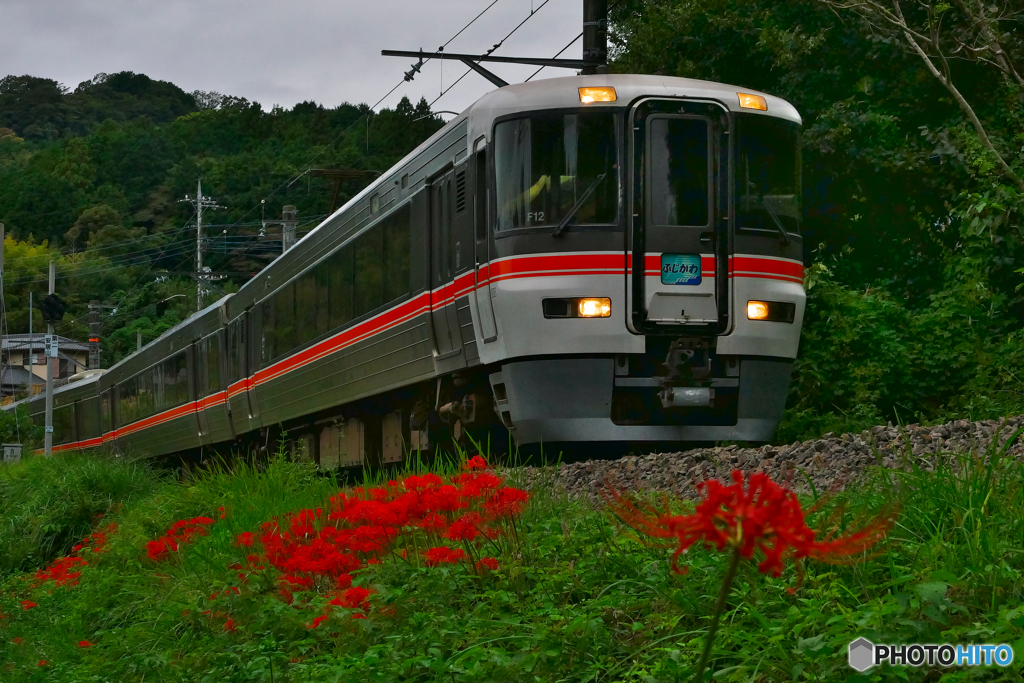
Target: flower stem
723,595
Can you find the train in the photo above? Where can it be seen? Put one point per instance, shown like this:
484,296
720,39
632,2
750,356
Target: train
596,259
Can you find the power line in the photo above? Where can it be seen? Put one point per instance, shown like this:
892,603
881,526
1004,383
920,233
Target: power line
570,43
493,48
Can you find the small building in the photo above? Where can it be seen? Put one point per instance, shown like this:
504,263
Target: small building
23,359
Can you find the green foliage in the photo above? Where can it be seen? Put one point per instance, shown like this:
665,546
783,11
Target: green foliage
581,601
91,178
16,426
49,504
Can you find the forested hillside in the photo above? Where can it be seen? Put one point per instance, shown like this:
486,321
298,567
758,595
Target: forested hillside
913,162
95,173
913,176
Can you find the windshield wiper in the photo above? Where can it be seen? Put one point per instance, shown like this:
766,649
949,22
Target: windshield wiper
786,237
557,232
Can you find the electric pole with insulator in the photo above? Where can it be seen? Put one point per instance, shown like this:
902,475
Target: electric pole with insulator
52,308
199,203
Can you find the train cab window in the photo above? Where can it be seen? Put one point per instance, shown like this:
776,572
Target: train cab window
767,174
680,169
550,166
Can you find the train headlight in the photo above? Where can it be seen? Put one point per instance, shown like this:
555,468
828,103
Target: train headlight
604,93
748,101
595,308
772,311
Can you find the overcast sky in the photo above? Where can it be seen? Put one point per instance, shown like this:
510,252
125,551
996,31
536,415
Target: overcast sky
282,52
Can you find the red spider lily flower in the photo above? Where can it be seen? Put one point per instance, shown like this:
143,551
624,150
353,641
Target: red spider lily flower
215,594
476,484
422,482
357,597
18,641
465,528
433,522
60,572
318,620
359,615
222,513
84,643
229,625
232,589
343,581
759,516
476,463
506,501
43,662
487,563
185,529
244,539
161,548
443,555
28,604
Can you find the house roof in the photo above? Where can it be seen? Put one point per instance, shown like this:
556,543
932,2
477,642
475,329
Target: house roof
15,375
35,342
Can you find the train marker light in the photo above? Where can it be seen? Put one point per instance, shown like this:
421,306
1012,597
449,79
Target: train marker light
748,101
757,310
604,93
595,308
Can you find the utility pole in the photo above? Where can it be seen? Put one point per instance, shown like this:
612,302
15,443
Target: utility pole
2,302
288,223
51,358
199,202
94,334
138,342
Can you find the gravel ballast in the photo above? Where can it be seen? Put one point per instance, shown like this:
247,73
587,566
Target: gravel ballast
830,462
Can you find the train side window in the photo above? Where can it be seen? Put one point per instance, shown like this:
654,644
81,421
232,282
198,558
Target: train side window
105,415
368,293
128,412
212,364
322,297
305,309
342,280
480,197
397,246
147,399
284,320
232,352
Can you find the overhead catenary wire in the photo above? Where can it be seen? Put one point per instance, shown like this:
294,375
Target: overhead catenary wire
495,47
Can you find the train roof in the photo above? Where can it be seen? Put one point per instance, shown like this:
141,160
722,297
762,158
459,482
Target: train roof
562,93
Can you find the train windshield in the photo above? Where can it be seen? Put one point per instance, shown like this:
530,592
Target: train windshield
550,166
767,174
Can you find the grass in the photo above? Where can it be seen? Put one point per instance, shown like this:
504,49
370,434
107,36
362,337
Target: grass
578,599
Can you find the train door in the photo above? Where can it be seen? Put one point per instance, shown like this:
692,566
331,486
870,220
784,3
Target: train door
680,237
443,316
482,239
